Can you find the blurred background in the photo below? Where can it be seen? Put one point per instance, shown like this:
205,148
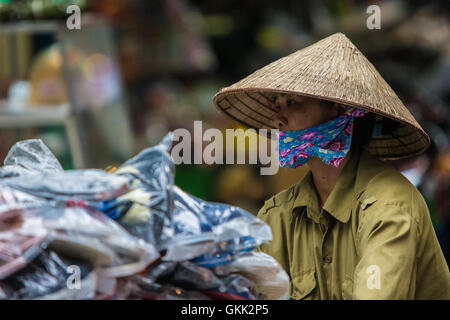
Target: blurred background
139,68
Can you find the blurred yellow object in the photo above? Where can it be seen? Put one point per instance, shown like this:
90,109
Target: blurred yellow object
110,169
443,163
46,78
138,212
231,180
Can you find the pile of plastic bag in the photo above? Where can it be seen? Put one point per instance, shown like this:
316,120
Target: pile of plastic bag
127,234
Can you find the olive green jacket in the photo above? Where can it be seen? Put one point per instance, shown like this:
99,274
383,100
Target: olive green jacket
373,239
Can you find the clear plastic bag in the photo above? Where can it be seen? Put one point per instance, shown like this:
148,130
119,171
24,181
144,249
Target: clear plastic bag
211,233
76,211
193,277
11,199
47,277
175,293
188,278
88,185
184,226
58,206
161,279
29,157
270,280
31,167
21,239
182,274
107,288
146,210
234,287
87,234
156,291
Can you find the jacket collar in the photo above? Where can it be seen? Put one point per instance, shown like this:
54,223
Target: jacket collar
349,187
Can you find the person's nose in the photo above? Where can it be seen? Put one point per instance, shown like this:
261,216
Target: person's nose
280,118
280,121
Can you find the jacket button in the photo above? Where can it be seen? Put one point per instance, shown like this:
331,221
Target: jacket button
327,259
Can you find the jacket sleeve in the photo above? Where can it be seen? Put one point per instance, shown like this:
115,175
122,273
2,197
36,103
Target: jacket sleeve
263,215
276,248
387,243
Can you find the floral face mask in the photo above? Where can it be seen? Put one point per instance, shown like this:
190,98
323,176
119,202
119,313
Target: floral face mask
329,141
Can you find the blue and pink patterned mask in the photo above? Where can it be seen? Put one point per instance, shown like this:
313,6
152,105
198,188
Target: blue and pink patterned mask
329,141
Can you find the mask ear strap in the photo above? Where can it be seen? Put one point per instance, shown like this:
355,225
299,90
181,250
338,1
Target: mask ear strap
349,110
356,112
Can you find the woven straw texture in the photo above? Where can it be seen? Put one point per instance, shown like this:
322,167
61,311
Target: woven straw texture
331,69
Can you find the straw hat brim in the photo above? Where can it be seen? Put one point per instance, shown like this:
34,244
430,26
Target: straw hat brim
350,81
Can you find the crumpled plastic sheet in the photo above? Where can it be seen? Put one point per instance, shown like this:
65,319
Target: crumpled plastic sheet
235,287
213,233
170,280
151,173
31,168
193,277
156,291
183,225
141,196
76,232
188,277
21,239
35,213
29,157
46,277
11,200
270,280
88,185
168,292
80,232
183,274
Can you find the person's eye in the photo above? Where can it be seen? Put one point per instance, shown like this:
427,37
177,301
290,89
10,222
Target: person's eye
273,99
290,102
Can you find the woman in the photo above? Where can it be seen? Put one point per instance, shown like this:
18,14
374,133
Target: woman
353,227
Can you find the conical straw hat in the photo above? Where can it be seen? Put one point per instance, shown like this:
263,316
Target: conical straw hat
332,69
